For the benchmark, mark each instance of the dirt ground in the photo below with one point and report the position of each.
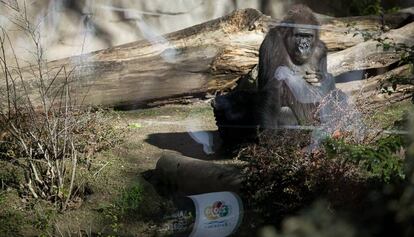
(120, 202)
(147, 133)
(117, 174)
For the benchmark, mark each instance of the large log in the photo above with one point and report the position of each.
(372, 85)
(371, 54)
(188, 176)
(345, 32)
(203, 58)
(377, 91)
(209, 56)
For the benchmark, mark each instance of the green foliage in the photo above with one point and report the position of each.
(370, 7)
(112, 216)
(43, 219)
(10, 175)
(128, 204)
(10, 223)
(391, 117)
(387, 208)
(2, 198)
(380, 159)
(131, 199)
(283, 176)
(366, 7)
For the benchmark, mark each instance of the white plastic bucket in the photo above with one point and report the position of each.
(217, 214)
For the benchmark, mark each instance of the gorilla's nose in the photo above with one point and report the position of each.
(304, 47)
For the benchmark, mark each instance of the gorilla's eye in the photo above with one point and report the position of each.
(303, 35)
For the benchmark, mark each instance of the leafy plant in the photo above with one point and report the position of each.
(131, 199)
(366, 7)
(112, 216)
(10, 223)
(382, 159)
(10, 175)
(2, 198)
(283, 176)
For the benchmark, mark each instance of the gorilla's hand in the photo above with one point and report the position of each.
(313, 77)
(283, 73)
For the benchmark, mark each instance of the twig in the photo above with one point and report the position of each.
(97, 172)
(72, 180)
(29, 185)
(35, 173)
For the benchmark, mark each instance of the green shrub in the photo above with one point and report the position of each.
(131, 199)
(10, 175)
(283, 176)
(366, 7)
(10, 223)
(384, 158)
(388, 208)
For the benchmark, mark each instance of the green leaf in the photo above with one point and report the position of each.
(135, 125)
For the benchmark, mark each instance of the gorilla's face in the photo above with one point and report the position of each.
(301, 44)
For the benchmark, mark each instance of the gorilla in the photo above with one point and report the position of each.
(292, 81)
(292, 77)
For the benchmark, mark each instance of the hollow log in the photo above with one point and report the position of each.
(205, 58)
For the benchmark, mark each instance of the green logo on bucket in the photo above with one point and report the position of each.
(218, 210)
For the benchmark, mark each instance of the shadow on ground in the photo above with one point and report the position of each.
(188, 144)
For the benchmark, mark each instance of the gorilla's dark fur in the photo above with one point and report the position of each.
(294, 44)
(277, 49)
(236, 116)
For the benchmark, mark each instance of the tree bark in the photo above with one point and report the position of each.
(378, 90)
(373, 53)
(345, 32)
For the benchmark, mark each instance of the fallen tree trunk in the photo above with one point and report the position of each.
(393, 86)
(345, 32)
(373, 53)
(373, 84)
(204, 58)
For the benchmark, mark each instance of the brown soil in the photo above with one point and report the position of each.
(148, 133)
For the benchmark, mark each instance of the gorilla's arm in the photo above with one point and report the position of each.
(270, 102)
(272, 54)
(327, 81)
